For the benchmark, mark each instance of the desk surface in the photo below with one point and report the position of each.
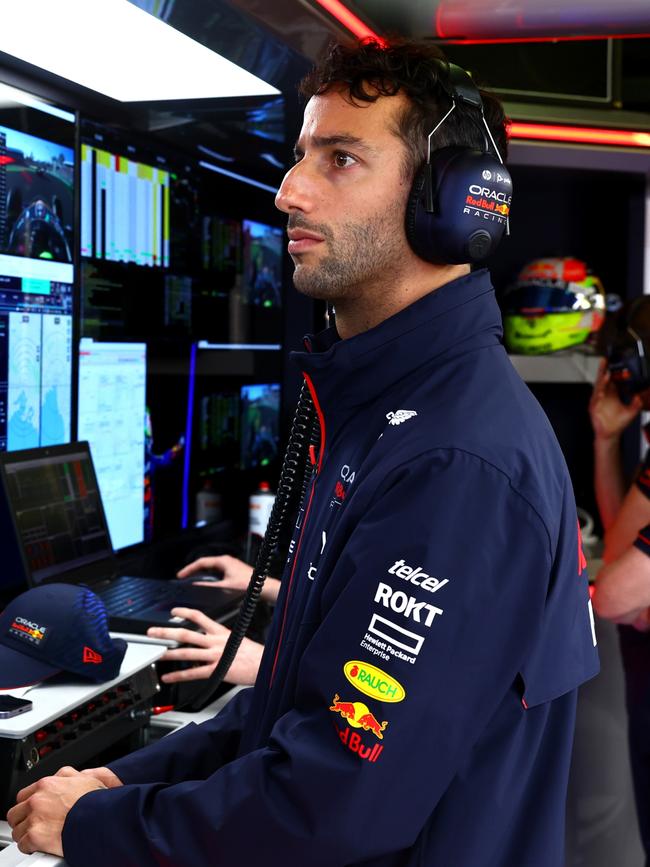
(51, 700)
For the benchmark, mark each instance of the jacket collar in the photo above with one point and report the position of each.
(456, 317)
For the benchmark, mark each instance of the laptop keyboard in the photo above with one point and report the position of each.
(131, 595)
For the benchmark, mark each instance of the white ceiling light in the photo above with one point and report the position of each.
(115, 48)
(10, 95)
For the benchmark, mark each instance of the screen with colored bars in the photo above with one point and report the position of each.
(124, 209)
(112, 417)
(58, 513)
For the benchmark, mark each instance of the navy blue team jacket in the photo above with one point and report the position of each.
(416, 700)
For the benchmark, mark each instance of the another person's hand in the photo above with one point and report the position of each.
(236, 575)
(41, 810)
(642, 623)
(208, 649)
(609, 415)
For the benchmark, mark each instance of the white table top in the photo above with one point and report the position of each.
(53, 700)
(12, 857)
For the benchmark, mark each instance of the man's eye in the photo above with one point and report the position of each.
(343, 161)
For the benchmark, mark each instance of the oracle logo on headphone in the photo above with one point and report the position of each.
(475, 190)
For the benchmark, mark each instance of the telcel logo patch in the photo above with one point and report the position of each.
(374, 682)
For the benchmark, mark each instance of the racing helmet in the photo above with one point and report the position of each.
(554, 303)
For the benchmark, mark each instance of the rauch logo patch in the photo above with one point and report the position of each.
(374, 682)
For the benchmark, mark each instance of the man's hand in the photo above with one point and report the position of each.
(41, 809)
(609, 415)
(236, 575)
(208, 649)
(103, 775)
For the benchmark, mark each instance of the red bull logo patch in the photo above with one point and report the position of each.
(352, 740)
(358, 715)
(374, 682)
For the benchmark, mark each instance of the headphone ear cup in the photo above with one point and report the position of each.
(471, 193)
(414, 217)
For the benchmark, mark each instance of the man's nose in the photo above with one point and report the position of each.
(294, 193)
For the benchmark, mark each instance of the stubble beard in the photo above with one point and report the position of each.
(359, 255)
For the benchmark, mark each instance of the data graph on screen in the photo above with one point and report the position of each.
(112, 407)
(124, 209)
(35, 365)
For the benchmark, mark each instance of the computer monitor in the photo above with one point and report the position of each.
(124, 208)
(260, 423)
(262, 246)
(237, 298)
(57, 509)
(233, 422)
(178, 304)
(221, 248)
(112, 418)
(36, 270)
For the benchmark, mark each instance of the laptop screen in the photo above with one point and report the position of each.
(55, 501)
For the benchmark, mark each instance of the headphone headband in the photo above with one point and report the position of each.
(459, 85)
(459, 203)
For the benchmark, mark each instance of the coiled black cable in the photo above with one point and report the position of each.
(296, 470)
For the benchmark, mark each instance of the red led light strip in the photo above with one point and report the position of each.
(458, 40)
(580, 134)
(348, 19)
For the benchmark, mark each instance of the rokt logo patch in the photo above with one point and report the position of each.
(374, 682)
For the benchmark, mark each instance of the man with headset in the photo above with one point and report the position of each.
(622, 593)
(416, 699)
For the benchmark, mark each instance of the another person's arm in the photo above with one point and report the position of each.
(623, 586)
(236, 575)
(609, 418)
(633, 514)
(207, 645)
(206, 648)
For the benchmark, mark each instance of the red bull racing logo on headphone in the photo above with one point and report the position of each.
(486, 202)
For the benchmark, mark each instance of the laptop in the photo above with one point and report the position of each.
(52, 498)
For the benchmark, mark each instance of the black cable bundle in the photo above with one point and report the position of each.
(296, 469)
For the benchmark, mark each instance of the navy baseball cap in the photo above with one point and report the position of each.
(55, 628)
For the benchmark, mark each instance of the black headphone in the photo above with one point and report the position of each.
(458, 207)
(627, 361)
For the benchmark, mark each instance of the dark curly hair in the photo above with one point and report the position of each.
(369, 70)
